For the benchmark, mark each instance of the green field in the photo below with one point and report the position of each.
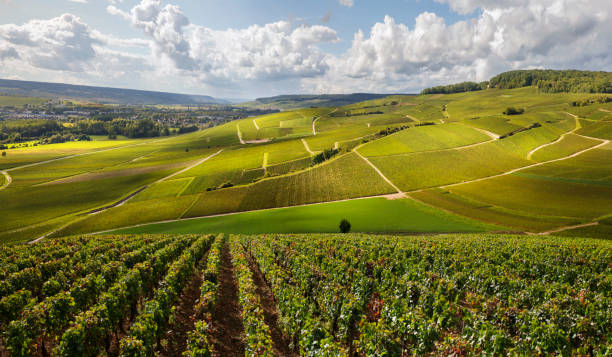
(367, 215)
(539, 171)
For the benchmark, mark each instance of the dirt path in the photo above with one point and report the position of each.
(255, 123)
(567, 228)
(83, 154)
(576, 127)
(604, 142)
(268, 302)
(197, 163)
(308, 147)
(492, 135)
(414, 119)
(379, 173)
(604, 110)
(8, 180)
(314, 121)
(227, 330)
(240, 135)
(184, 319)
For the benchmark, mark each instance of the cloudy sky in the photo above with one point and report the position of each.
(254, 48)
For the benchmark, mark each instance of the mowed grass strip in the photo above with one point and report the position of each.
(365, 215)
(424, 138)
(568, 145)
(486, 212)
(541, 197)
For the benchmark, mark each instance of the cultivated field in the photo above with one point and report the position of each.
(290, 295)
(547, 170)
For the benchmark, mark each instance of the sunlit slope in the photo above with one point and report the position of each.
(544, 170)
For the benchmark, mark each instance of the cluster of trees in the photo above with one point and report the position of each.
(144, 128)
(51, 131)
(348, 113)
(548, 81)
(456, 88)
(513, 111)
(552, 81)
(325, 155)
(589, 101)
(389, 131)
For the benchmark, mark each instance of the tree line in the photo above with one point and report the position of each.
(51, 131)
(547, 81)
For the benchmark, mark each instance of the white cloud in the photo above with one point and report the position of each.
(508, 34)
(348, 3)
(79, 1)
(269, 52)
(175, 54)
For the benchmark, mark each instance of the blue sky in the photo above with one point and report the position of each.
(252, 48)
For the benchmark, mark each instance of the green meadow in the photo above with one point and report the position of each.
(464, 165)
(367, 215)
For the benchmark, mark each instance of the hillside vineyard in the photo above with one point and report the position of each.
(288, 295)
(519, 160)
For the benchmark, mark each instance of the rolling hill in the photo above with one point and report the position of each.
(290, 102)
(101, 94)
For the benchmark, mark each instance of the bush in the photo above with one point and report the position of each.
(4, 153)
(345, 226)
(513, 111)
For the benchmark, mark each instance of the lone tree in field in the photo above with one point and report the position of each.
(345, 226)
(4, 153)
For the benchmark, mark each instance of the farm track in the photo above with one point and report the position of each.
(197, 163)
(604, 142)
(379, 173)
(604, 110)
(492, 135)
(123, 200)
(307, 147)
(388, 196)
(578, 126)
(255, 123)
(227, 329)
(240, 135)
(567, 228)
(85, 153)
(270, 309)
(314, 121)
(8, 180)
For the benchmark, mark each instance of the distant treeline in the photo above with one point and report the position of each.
(15, 131)
(456, 88)
(547, 81)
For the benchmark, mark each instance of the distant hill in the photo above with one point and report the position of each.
(288, 102)
(101, 94)
(546, 80)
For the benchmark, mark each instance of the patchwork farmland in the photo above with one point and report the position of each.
(451, 155)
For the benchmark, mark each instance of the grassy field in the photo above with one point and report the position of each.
(210, 172)
(367, 215)
(424, 138)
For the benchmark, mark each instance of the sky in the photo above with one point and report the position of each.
(257, 48)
